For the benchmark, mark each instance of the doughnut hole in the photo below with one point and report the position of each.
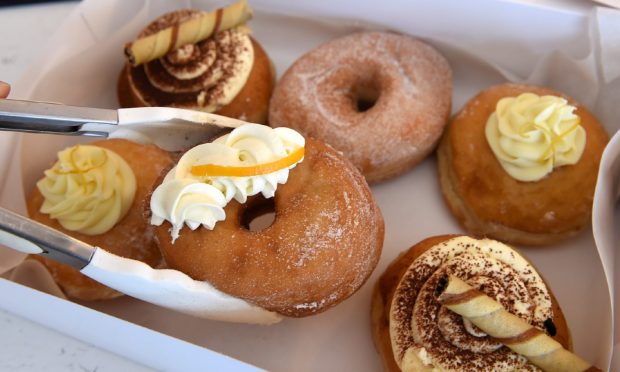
(365, 94)
(259, 214)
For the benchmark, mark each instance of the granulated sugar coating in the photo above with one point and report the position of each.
(382, 99)
(323, 244)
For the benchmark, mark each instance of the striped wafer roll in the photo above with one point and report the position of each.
(512, 331)
(188, 32)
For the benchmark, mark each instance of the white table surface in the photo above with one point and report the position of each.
(24, 345)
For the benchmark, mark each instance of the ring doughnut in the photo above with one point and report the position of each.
(381, 98)
(323, 244)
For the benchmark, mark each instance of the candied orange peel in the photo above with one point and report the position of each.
(214, 170)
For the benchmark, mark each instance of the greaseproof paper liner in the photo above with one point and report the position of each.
(484, 43)
(605, 222)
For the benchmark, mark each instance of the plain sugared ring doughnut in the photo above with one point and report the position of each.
(383, 99)
(323, 244)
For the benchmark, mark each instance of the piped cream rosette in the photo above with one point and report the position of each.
(425, 335)
(196, 190)
(88, 190)
(531, 135)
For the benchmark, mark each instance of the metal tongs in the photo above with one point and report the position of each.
(170, 128)
(165, 287)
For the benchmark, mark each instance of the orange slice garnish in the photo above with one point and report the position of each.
(214, 170)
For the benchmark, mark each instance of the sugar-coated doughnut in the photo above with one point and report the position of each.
(323, 244)
(383, 99)
(488, 201)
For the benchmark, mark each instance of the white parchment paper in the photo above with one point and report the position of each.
(486, 42)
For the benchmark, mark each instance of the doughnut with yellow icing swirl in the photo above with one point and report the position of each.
(412, 331)
(228, 74)
(488, 201)
(131, 236)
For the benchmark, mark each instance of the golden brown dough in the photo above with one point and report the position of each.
(132, 237)
(487, 201)
(384, 293)
(322, 246)
(251, 104)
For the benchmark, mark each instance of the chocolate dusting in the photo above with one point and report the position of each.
(429, 271)
(184, 93)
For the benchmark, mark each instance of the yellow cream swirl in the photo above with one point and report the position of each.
(88, 190)
(531, 135)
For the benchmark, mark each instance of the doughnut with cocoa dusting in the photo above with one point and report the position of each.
(381, 98)
(227, 74)
(413, 331)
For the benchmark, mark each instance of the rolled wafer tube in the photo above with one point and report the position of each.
(521, 337)
(191, 31)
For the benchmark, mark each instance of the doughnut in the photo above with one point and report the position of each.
(228, 74)
(131, 237)
(488, 201)
(325, 239)
(404, 295)
(381, 98)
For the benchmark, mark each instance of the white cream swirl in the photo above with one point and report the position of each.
(184, 198)
(88, 190)
(531, 135)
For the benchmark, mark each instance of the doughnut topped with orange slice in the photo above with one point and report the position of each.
(324, 241)
(251, 159)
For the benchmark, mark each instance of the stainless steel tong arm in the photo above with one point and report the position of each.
(42, 117)
(29, 236)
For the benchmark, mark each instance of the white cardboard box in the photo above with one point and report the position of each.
(485, 41)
